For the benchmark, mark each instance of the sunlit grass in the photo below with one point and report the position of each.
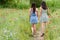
(52, 30)
(14, 25)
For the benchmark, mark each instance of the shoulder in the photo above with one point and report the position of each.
(40, 8)
(36, 9)
(30, 9)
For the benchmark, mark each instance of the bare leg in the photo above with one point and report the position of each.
(43, 25)
(33, 29)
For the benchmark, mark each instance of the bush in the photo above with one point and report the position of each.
(2, 2)
(22, 6)
(53, 4)
(38, 2)
(14, 4)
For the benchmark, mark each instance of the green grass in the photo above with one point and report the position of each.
(53, 3)
(14, 25)
(18, 4)
(14, 21)
(53, 29)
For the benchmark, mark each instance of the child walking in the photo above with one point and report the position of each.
(33, 17)
(43, 17)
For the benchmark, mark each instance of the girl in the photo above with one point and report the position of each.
(33, 17)
(43, 17)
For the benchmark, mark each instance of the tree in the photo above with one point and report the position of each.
(38, 2)
(2, 2)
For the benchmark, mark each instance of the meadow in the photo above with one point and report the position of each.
(14, 23)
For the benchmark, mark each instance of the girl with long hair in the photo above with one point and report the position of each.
(33, 17)
(44, 11)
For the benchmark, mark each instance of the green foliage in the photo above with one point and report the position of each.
(2, 1)
(14, 4)
(38, 2)
(13, 25)
(53, 3)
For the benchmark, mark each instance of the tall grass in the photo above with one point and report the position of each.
(53, 4)
(13, 25)
(52, 30)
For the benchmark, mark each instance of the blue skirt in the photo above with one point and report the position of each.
(33, 19)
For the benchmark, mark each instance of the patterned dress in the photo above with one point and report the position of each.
(44, 16)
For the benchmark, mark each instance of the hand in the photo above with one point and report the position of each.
(49, 16)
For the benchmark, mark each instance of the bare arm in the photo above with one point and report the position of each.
(48, 12)
(40, 11)
(37, 11)
(49, 15)
(29, 12)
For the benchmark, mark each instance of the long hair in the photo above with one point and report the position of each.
(33, 6)
(43, 4)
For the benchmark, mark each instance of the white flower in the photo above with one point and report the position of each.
(11, 34)
(5, 30)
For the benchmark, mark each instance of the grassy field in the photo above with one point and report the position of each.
(14, 25)
(53, 29)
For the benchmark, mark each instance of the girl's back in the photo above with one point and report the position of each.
(44, 11)
(44, 16)
(33, 13)
(33, 17)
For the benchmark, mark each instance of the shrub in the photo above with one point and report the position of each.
(14, 4)
(38, 2)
